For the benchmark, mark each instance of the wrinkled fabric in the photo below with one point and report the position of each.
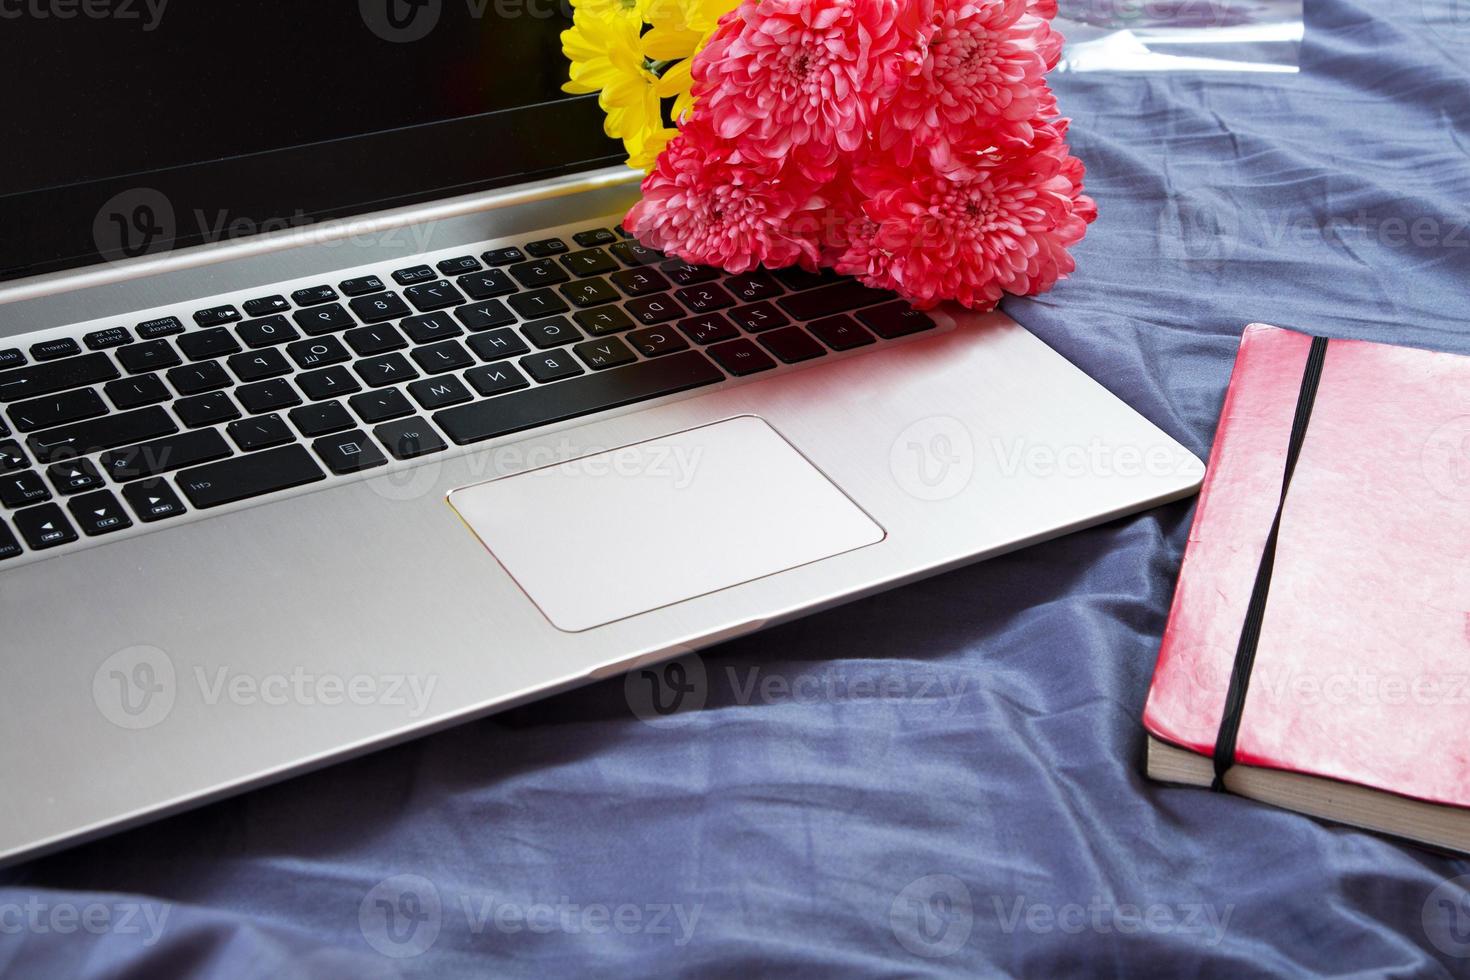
(987, 814)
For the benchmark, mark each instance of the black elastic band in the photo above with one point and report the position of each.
(1255, 610)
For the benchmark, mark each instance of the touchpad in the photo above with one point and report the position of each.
(617, 533)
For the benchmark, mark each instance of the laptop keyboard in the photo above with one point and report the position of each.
(128, 426)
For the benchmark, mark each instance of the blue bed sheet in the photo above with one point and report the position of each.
(942, 780)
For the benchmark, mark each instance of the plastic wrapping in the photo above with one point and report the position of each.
(1181, 35)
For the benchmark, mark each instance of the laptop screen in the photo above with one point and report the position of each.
(139, 126)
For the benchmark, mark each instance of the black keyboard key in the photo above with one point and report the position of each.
(792, 344)
(541, 302)
(409, 438)
(551, 365)
(74, 476)
(380, 406)
(258, 365)
(361, 286)
(332, 382)
(11, 357)
(594, 236)
(795, 277)
(268, 396)
(387, 369)
(419, 273)
(590, 262)
(108, 432)
(836, 298)
(242, 477)
(324, 319)
(59, 409)
(99, 513)
(321, 418)
(545, 247)
(12, 458)
(503, 256)
(217, 316)
(741, 357)
(162, 455)
(148, 356)
(496, 379)
(349, 452)
(657, 341)
(435, 393)
(589, 292)
(210, 409)
(687, 274)
(104, 339)
(580, 396)
(379, 339)
(203, 345)
(485, 316)
(192, 379)
(153, 500)
(636, 253)
(896, 320)
(458, 265)
(44, 527)
(314, 296)
(163, 326)
(447, 355)
(496, 344)
(4, 429)
(652, 310)
(759, 316)
(431, 327)
(542, 272)
(708, 329)
(486, 285)
(704, 299)
(43, 379)
(267, 332)
(750, 287)
(437, 295)
(319, 352)
(261, 432)
(603, 320)
(22, 489)
(551, 333)
(265, 305)
(840, 332)
(9, 546)
(50, 350)
(379, 307)
(639, 282)
(609, 352)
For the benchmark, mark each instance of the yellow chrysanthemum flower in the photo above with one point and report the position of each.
(634, 72)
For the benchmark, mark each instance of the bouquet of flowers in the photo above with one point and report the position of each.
(913, 144)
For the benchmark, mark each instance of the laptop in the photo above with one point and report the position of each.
(336, 407)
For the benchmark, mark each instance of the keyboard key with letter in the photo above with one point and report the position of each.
(227, 481)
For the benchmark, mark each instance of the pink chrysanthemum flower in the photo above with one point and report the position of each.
(798, 75)
(974, 71)
(1001, 223)
(708, 204)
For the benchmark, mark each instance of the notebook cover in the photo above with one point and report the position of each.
(1362, 673)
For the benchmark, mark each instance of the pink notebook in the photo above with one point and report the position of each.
(1356, 703)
